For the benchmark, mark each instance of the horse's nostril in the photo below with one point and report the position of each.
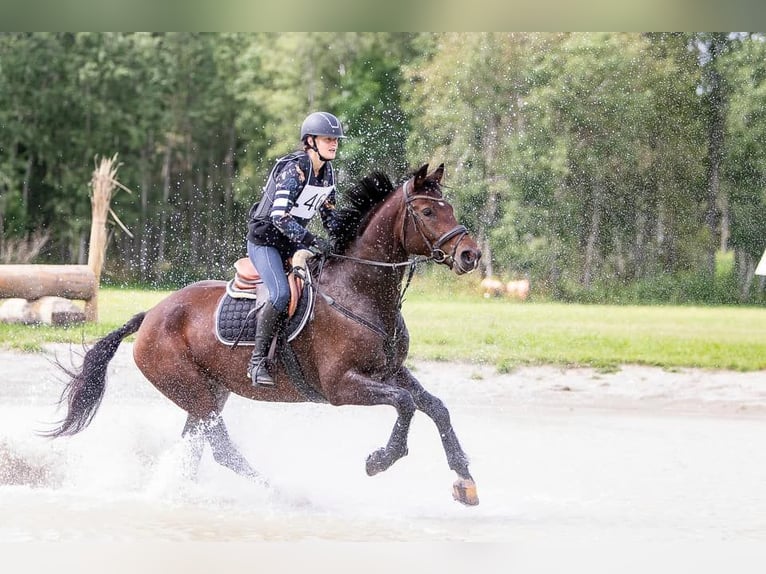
(469, 257)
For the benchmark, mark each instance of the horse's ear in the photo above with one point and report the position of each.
(438, 174)
(420, 175)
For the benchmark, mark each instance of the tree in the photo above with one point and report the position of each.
(585, 161)
(603, 111)
(715, 93)
(744, 164)
(464, 98)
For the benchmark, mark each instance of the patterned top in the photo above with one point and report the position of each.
(291, 197)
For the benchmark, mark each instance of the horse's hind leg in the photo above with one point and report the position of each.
(464, 489)
(205, 424)
(225, 452)
(213, 430)
(195, 437)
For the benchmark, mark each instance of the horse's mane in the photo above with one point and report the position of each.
(358, 203)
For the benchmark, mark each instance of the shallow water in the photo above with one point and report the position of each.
(549, 467)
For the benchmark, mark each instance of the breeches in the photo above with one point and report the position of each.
(269, 264)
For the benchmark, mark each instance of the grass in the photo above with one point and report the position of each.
(450, 321)
(115, 307)
(509, 334)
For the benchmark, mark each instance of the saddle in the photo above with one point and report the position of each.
(235, 313)
(247, 280)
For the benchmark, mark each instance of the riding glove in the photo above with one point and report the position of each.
(321, 246)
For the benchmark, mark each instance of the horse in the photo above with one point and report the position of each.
(351, 352)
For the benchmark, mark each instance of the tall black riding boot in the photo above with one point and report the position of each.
(268, 320)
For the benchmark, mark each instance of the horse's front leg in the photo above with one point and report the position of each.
(464, 489)
(396, 447)
(361, 390)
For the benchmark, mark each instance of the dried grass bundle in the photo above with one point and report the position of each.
(103, 184)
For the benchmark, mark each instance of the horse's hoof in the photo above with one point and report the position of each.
(382, 459)
(464, 491)
(376, 462)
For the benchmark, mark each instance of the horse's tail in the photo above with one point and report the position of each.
(85, 389)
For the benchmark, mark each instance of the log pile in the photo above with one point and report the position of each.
(42, 293)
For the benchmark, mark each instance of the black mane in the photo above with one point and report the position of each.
(358, 202)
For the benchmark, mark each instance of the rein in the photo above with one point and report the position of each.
(414, 261)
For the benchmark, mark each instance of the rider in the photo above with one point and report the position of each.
(300, 185)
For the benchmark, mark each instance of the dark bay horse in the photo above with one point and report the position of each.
(352, 352)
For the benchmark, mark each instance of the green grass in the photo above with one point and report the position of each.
(450, 321)
(508, 334)
(115, 307)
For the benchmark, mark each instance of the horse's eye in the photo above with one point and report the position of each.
(428, 211)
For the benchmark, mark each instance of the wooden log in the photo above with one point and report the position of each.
(56, 311)
(34, 281)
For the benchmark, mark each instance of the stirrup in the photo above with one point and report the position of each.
(259, 374)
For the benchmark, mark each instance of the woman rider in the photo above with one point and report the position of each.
(300, 185)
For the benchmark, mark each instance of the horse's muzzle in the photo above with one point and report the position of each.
(466, 260)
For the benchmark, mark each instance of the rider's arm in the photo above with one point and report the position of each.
(289, 184)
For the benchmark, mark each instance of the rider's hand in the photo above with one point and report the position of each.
(321, 246)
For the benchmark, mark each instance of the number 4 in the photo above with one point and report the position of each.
(311, 201)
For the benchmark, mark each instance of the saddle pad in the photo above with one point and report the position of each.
(235, 318)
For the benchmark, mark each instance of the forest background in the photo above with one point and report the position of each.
(609, 167)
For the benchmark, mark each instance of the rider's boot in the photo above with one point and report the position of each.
(268, 320)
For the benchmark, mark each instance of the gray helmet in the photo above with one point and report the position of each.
(321, 124)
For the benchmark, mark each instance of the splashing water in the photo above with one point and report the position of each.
(546, 463)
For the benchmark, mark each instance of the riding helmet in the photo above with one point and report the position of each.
(321, 124)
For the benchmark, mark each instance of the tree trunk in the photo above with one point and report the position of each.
(591, 243)
(716, 125)
(212, 216)
(34, 281)
(228, 179)
(159, 265)
(746, 274)
(143, 228)
(486, 256)
(25, 187)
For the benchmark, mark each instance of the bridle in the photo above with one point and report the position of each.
(438, 255)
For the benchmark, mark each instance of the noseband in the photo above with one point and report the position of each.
(437, 253)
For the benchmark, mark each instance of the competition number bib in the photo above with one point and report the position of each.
(310, 199)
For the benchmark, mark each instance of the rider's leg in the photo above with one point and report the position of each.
(270, 313)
